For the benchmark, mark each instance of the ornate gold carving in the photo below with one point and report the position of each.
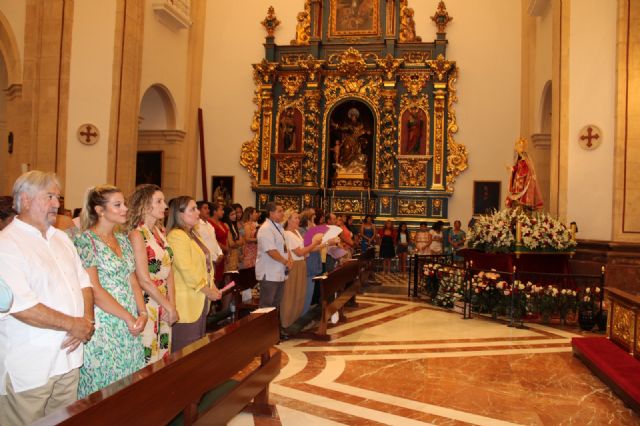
(413, 173)
(288, 202)
(293, 59)
(288, 172)
(391, 18)
(386, 148)
(457, 159)
(412, 207)
(249, 152)
(337, 87)
(270, 23)
(311, 136)
(389, 65)
(267, 117)
(407, 24)
(306, 199)
(350, 63)
(414, 82)
(438, 140)
(347, 205)
(440, 67)
(416, 58)
(385, 202)
(291, 83)
(312, 66)
(264, 71)
(441, 17)
(436, 207)
(263, 199)
(623, 324)
(303, 27)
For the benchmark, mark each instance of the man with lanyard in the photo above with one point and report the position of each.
(272, 261)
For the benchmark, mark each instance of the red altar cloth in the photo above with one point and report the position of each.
(524, 262)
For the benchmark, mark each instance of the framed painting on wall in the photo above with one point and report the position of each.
(222, 190)
(354, 18)
(486, 196)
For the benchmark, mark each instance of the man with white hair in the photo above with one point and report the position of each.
(52, 313)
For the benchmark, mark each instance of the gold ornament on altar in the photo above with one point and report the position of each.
(407, 24)
(622, 324)
(414, 82)
(291, 83)
(440, 67)
(270, 23)
(351, 63)
(288, 202)
(264, 71)
(347, 205)
(412, 208)
(457, 160)
(389, 64)
(441, 18)
(288, 172)
(413, 173)
(303, 27)
(312, 66)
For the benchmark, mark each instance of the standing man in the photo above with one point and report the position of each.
(52, 314)
(273, 260)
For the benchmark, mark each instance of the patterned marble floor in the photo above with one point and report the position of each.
(397, 362)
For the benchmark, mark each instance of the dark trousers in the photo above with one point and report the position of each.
(271, 293)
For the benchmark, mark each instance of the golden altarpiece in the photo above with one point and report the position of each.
(356, 115)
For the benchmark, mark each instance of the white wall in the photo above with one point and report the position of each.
(484, 39)
(164, 60)
(90, 88)
(592, 95)
(233, 41)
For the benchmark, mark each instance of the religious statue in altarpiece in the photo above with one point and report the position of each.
(523, 184)
(349, 150)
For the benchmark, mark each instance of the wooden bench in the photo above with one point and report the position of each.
(207, 382)
(336, 289)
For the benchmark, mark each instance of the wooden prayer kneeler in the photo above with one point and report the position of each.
(201, 384)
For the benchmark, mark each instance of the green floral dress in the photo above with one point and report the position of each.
(156, 337)
(112, 353)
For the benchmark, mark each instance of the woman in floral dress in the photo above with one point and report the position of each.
(250, 248)
(115, 350)
(154, 258)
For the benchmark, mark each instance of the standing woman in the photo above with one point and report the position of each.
(153, 268)
(193, 272)
(250, 248)
(116, 350)
(295, 286)
(234, 241)
(222, 235)
(387, 245)
(435, 238)
(402, 246)
(367, 233)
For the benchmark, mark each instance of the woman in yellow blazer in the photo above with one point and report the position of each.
(193, 272)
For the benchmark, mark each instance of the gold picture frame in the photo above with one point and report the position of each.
(354, 18)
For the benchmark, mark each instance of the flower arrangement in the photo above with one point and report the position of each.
(496, 233)
(589, 299)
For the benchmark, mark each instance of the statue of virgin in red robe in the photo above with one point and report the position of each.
(523, 185)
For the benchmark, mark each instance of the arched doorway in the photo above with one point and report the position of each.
(541, 142)
(158, 153)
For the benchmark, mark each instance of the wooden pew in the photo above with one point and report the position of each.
(165, 390)
(343, 281)
(244, 279)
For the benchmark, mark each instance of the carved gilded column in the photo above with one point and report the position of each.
(391, 18)
(267, 121)
(311, 137)
(438, 138)
(386, 154)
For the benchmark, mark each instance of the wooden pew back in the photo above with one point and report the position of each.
(159, 392)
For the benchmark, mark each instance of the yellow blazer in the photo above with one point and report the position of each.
(190, 275)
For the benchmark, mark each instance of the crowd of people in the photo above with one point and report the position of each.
(88, 300)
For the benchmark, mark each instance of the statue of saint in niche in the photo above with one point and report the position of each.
(414, 129)
(290, 130)
(349, 149)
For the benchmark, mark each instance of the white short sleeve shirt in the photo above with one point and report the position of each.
(38, 270)
(270, 237)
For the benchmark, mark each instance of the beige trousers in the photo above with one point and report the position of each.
(24, 408)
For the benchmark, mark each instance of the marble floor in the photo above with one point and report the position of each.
(400, 362)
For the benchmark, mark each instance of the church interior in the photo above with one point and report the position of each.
(406, 110)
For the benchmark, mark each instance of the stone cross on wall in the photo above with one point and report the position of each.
(590, 137)
(88, 134)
